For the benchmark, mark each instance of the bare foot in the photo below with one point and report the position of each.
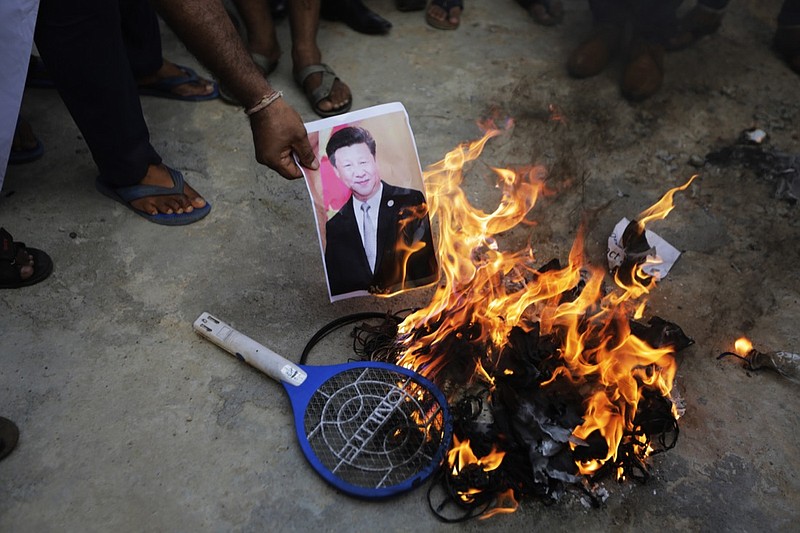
(170, 204)
(340, 95)
(447, 17)
(199, 87)
(547, 12)
(25, 262)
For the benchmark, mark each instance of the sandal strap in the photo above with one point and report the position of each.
(328, 78)
(189, 76)
(135, 192)
(8, 248)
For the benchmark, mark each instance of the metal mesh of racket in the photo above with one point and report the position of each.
(375, 428)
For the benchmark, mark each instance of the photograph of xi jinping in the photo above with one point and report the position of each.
(380, 240)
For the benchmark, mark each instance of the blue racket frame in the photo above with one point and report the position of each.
(302, 383)
(317, 377)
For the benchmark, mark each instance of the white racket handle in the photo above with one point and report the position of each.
(248, 350)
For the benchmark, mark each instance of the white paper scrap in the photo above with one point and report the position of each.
(657, 265)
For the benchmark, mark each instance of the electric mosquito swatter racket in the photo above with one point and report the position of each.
(370, 429)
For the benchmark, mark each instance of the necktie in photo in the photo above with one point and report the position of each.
(370, 237)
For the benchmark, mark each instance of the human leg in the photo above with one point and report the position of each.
(594, 53)
(326, 92)
(544, 12)
(156, 76)
(260, 32)
(787, 36)
(78, 39)
(703, 19)
(444, 14)
(655, 22)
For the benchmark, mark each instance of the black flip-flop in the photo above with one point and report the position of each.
(9, 269)
(9, 435)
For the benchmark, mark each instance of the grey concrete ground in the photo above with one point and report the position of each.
(130, 422)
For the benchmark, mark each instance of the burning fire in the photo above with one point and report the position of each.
(486, 293)
(743, 346)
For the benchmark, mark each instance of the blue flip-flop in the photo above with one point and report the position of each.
(27, 155)
(164, 87)
(125, 195)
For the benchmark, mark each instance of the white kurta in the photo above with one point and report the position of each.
(17, 21)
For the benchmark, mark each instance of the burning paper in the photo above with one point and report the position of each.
(632, 247)
(658, 255)
(553, 382)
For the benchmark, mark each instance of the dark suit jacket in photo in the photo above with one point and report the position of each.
(402, 221)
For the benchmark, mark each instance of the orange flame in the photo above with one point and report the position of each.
(505, 503)
(743, 346)
(662, 208)
(485, 292)
(461, 455)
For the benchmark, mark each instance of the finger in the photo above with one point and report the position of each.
(290, 170)
(306, 154)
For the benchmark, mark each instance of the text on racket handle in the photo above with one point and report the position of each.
(248, 350)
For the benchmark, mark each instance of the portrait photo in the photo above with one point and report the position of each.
(369, 204)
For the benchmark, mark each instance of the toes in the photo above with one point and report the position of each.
(25, 272)
(26, 266)
(169, 204)
(437, 12)
(193, 199)
(453, 16)
(195, 88)
(338, 98)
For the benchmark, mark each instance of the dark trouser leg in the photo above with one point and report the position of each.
(82, 45)
(609, 12)
(787, 37)
(142, 36)
(655, 21)
(716, 5)
(790, 13)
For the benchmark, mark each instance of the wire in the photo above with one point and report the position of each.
(333, 325)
